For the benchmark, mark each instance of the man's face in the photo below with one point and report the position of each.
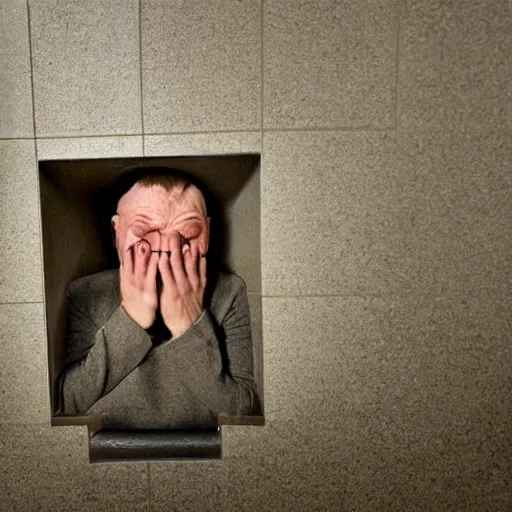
(156, 215)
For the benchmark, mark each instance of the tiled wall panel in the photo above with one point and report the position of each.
(16, 118)
(46, 468)
(20, 252)
(455, 65)
(201, 65)
(23, 372)
(86, 67)
(385, 213)
(329, 63)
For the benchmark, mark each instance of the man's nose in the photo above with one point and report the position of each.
(166, 241)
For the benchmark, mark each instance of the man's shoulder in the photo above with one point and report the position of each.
(97, 281)
(228, 283)
(101, 284)
(227, 287)
(96, 294)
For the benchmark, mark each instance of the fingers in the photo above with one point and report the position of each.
(165, 269)
(178, 271)
(202, 243)
(191, 266)
(152, 266)
(142, 252)
(127, 262)
(202, 271)
(194, 250)
(182, 270)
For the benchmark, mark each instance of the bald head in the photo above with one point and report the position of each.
(158, 212)
(156, 197)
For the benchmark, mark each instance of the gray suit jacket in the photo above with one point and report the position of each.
(132, 379)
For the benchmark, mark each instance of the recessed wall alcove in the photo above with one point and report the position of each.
(76, 202)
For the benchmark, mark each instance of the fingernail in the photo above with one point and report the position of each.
(185, 248)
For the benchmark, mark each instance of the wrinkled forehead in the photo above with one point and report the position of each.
(157, 199)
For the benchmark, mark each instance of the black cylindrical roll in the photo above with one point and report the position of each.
(109, 445)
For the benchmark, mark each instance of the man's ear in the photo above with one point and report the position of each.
(113, 228)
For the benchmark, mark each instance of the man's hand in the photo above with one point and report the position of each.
(183, 285)
(137, 274)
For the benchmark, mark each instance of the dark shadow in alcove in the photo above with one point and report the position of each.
(75, 216)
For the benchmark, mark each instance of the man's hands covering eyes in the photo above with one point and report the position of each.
(183, 275)
(137, 275)
(183, 285)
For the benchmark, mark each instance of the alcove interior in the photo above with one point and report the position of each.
(77, 239)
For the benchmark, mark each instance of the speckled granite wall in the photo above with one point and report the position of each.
(385, 128)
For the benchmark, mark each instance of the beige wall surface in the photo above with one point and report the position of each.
(386, 234)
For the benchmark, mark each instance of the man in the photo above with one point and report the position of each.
(145, 349)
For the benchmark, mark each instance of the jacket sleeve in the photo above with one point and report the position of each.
(98, 358)
(221, 383)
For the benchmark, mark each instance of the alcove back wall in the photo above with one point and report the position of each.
(384, 128)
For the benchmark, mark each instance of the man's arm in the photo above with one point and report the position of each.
(109, 353)
(106, 355)
(195, 358)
